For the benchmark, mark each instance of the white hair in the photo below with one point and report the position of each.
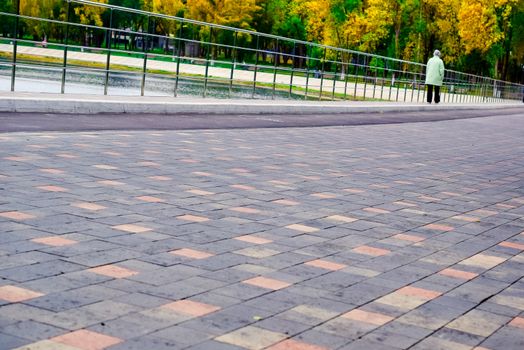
(436, 53)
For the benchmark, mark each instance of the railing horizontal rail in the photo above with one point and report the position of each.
(266, 62)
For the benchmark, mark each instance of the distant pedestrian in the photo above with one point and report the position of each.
(434, 76)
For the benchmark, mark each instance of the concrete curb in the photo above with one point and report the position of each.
(72, 104)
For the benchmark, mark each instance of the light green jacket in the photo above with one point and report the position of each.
(435, 71)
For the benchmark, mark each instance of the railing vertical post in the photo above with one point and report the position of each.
(145, 48)
(233, 63)
(400, 75)
(109, 35)
(292, 68)
(256, 67)
(418, 88)
(208, 55)
(356, 76)
(322, 74)
(398, 89)
(308, 48)
(276, 58)
(64, 64)
(375, 81)
(383, 79)
(15, 45)
(179, 49)
(478, 99)
(413, 86)
(365, 76)
(335, 77)
(346, 74)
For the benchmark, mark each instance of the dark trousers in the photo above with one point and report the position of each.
(430, 93)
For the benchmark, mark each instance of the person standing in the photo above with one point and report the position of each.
(434, 76)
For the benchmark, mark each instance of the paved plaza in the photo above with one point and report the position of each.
(357, 237)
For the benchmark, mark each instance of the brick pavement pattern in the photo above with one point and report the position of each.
(369, 237)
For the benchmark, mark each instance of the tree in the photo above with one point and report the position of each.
(40, 9)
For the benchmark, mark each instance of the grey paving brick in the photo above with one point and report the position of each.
(215, 345)
(39, 270)
(148, 342)
(74, 298)
(32, 330)
(182, 335)
(9, 341)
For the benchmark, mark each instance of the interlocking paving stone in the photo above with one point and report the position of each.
(368, 237)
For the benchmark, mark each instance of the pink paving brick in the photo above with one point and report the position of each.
(429, 199)
(89, 206)
(150, 199)
(302, 228)
(66, 155)
(200, 192)
(458, 274)
(113, 271)
(132, 228)
(324, 264)
(16, 215)
(512, 245)
(17, 159)
(110, 183)
(419, 292)
(324, 195)
(438, 227)
(291, 344)
(451, 194)
(517, 322)
(54, 241)
(191, 253)
(466, 218)
(405, 204)
(160, 178)
(105, 166)
(111, 153)
(149, 164)
(14, 294)
(245, 210)
(279, 182)
(87, 340)
(253, 239)
(483, 212)
(268, 283)
(353, 190)
(192, 218)
(51, 171)
(240, 170)
(286, 202)
(379, 186)
(243, 187)
(201, 173)
(51, 188)
(192, 308)
(367, 250)
(341, 218)
(376, 210)
(406, 237)
(374, 318)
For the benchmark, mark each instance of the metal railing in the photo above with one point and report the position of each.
(156, 53)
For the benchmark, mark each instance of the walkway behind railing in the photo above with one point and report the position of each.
(191, 57)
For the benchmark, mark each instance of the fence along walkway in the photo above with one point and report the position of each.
(323, 72)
